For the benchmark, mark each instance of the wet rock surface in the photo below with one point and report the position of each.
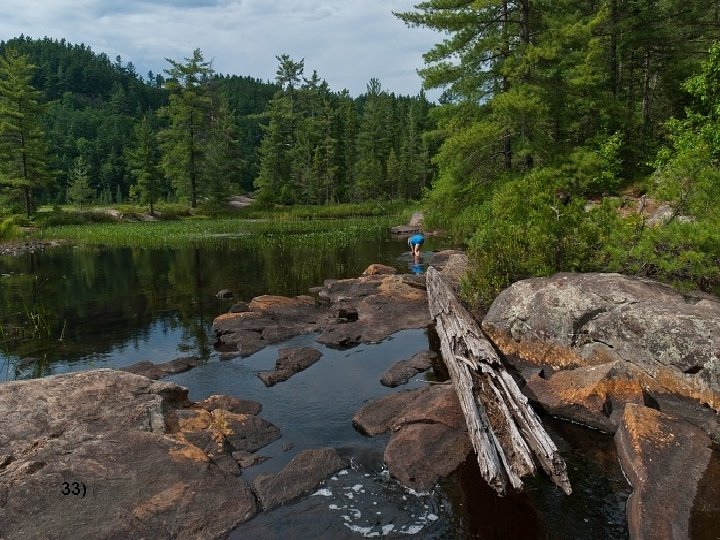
(289, 362)
(578, 320)
(345, 312)
(404, 370)
(158, 371)
(429, 436)
(113, 433)
(303, 474)
(665, 459)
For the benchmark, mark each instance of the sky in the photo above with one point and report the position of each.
(346, 41)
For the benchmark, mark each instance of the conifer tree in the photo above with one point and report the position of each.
(144, 162)
(79, 190)
(24, 157)
(188, 113)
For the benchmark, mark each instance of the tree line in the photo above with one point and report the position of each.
(76, 127)
(555, 113)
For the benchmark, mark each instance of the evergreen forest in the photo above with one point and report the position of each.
(559, 126)
(78, 128)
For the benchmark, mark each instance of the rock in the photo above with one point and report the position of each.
(158, 371)
(378, 416)
(247, 459)
(303, 474)
(664, 459)
(288, 363)
(405, 230)
(440, 259)
(239, 307)
(416, 220)
(106, 430)
(225, 294)
(401, 372)
(230, 404)
(594, 396)
(377, 269)
(429, 438)
(573, 320)
(348, 311)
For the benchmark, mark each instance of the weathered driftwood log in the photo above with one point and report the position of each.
(504, 430)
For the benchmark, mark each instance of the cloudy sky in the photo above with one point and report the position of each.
(346, 41)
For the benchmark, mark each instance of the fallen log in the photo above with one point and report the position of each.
(506, 433)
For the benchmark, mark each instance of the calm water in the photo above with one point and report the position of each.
(78, 308)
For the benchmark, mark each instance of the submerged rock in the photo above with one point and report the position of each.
(104, 434)
(290, 362)
(401, 372)
(664, 458)
(158, 371)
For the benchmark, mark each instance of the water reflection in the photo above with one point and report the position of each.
(76, 307)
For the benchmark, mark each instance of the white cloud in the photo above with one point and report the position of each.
(347, 41)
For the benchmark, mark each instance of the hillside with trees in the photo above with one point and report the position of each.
(97, 132)
(556, 115)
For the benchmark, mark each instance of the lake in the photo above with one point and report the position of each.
(89, 306)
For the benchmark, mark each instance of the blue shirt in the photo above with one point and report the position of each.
(417, 239)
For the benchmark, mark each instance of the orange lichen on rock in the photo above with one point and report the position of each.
(169, 498)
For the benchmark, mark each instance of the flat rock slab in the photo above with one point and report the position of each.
(158, 371)
(345, 312)
(289, 362)
(230, 404)
(429, 436)
(105, 432)
(664, 458)
(574, 320)
(404, 370)
(304, 473)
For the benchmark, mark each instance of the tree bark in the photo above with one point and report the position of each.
(506, 433)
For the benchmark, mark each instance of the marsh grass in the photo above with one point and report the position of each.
(185, 233)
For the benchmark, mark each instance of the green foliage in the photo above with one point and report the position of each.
(24, 155)
(8, 229)
(79, 190)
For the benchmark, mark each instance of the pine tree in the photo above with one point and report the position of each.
(188, 112)
(24, 155)
(144, 162)
(223, 165)
(79, 190)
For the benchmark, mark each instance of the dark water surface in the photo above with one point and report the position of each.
(80, 308)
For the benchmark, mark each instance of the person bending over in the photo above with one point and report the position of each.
(415, 242)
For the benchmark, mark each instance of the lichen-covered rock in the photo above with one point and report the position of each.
(573, 320)
(664, 458)
(108, 432)
(594, 396)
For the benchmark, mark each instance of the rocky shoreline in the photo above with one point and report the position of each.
(623, 355)
(16, 249)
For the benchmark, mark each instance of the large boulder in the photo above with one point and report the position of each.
(429, 436)
(574, 320)
(105, 435)
(664, 459)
